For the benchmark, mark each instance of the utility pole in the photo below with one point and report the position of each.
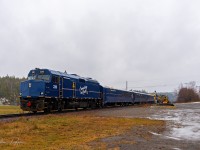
(126, 85)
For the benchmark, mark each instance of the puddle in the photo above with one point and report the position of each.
(164, 136)
(185, 121)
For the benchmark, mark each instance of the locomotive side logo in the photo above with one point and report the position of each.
(55, 86)
(83, 90)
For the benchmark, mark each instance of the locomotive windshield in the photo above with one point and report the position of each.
(39, 77)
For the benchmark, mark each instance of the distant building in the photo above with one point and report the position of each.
(4, 101)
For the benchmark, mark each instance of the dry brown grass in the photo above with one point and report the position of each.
(163, 107)
(64, 131)
(10, 110)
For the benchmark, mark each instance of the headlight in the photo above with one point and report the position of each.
(41, 93)
(29, 85)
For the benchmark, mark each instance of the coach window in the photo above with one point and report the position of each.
(55, 79)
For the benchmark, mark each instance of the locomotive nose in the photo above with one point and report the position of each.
(32, 88)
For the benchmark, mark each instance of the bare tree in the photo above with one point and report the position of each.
(188, 94)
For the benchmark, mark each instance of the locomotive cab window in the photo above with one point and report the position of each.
(55, 79)
(32, 77)
(43, 77)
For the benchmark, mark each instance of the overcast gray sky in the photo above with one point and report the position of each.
(153, 44)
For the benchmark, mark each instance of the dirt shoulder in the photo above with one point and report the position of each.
(144, 137)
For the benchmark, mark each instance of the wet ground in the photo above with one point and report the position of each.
(182, 130)
(183, 122)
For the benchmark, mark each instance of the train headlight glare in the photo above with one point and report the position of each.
(41, 93)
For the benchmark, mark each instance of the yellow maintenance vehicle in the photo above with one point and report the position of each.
(162, 100)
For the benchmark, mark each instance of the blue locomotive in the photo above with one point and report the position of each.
(47, 90)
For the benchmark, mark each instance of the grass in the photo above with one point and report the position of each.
(64, 131)
(10, 110)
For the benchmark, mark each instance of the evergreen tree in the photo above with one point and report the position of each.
(9, 88)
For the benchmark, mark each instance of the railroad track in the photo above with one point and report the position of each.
(9, 116)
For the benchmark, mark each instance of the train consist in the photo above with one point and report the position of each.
(47, 90)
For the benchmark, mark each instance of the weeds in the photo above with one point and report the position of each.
(67, 131)
(10, 110)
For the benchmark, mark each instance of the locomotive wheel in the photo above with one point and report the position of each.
(60, 107)
(45, 110)
(84, 108)
(50, 108)
(34, 112)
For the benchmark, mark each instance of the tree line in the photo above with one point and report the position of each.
(188, 93)
(9, 89)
